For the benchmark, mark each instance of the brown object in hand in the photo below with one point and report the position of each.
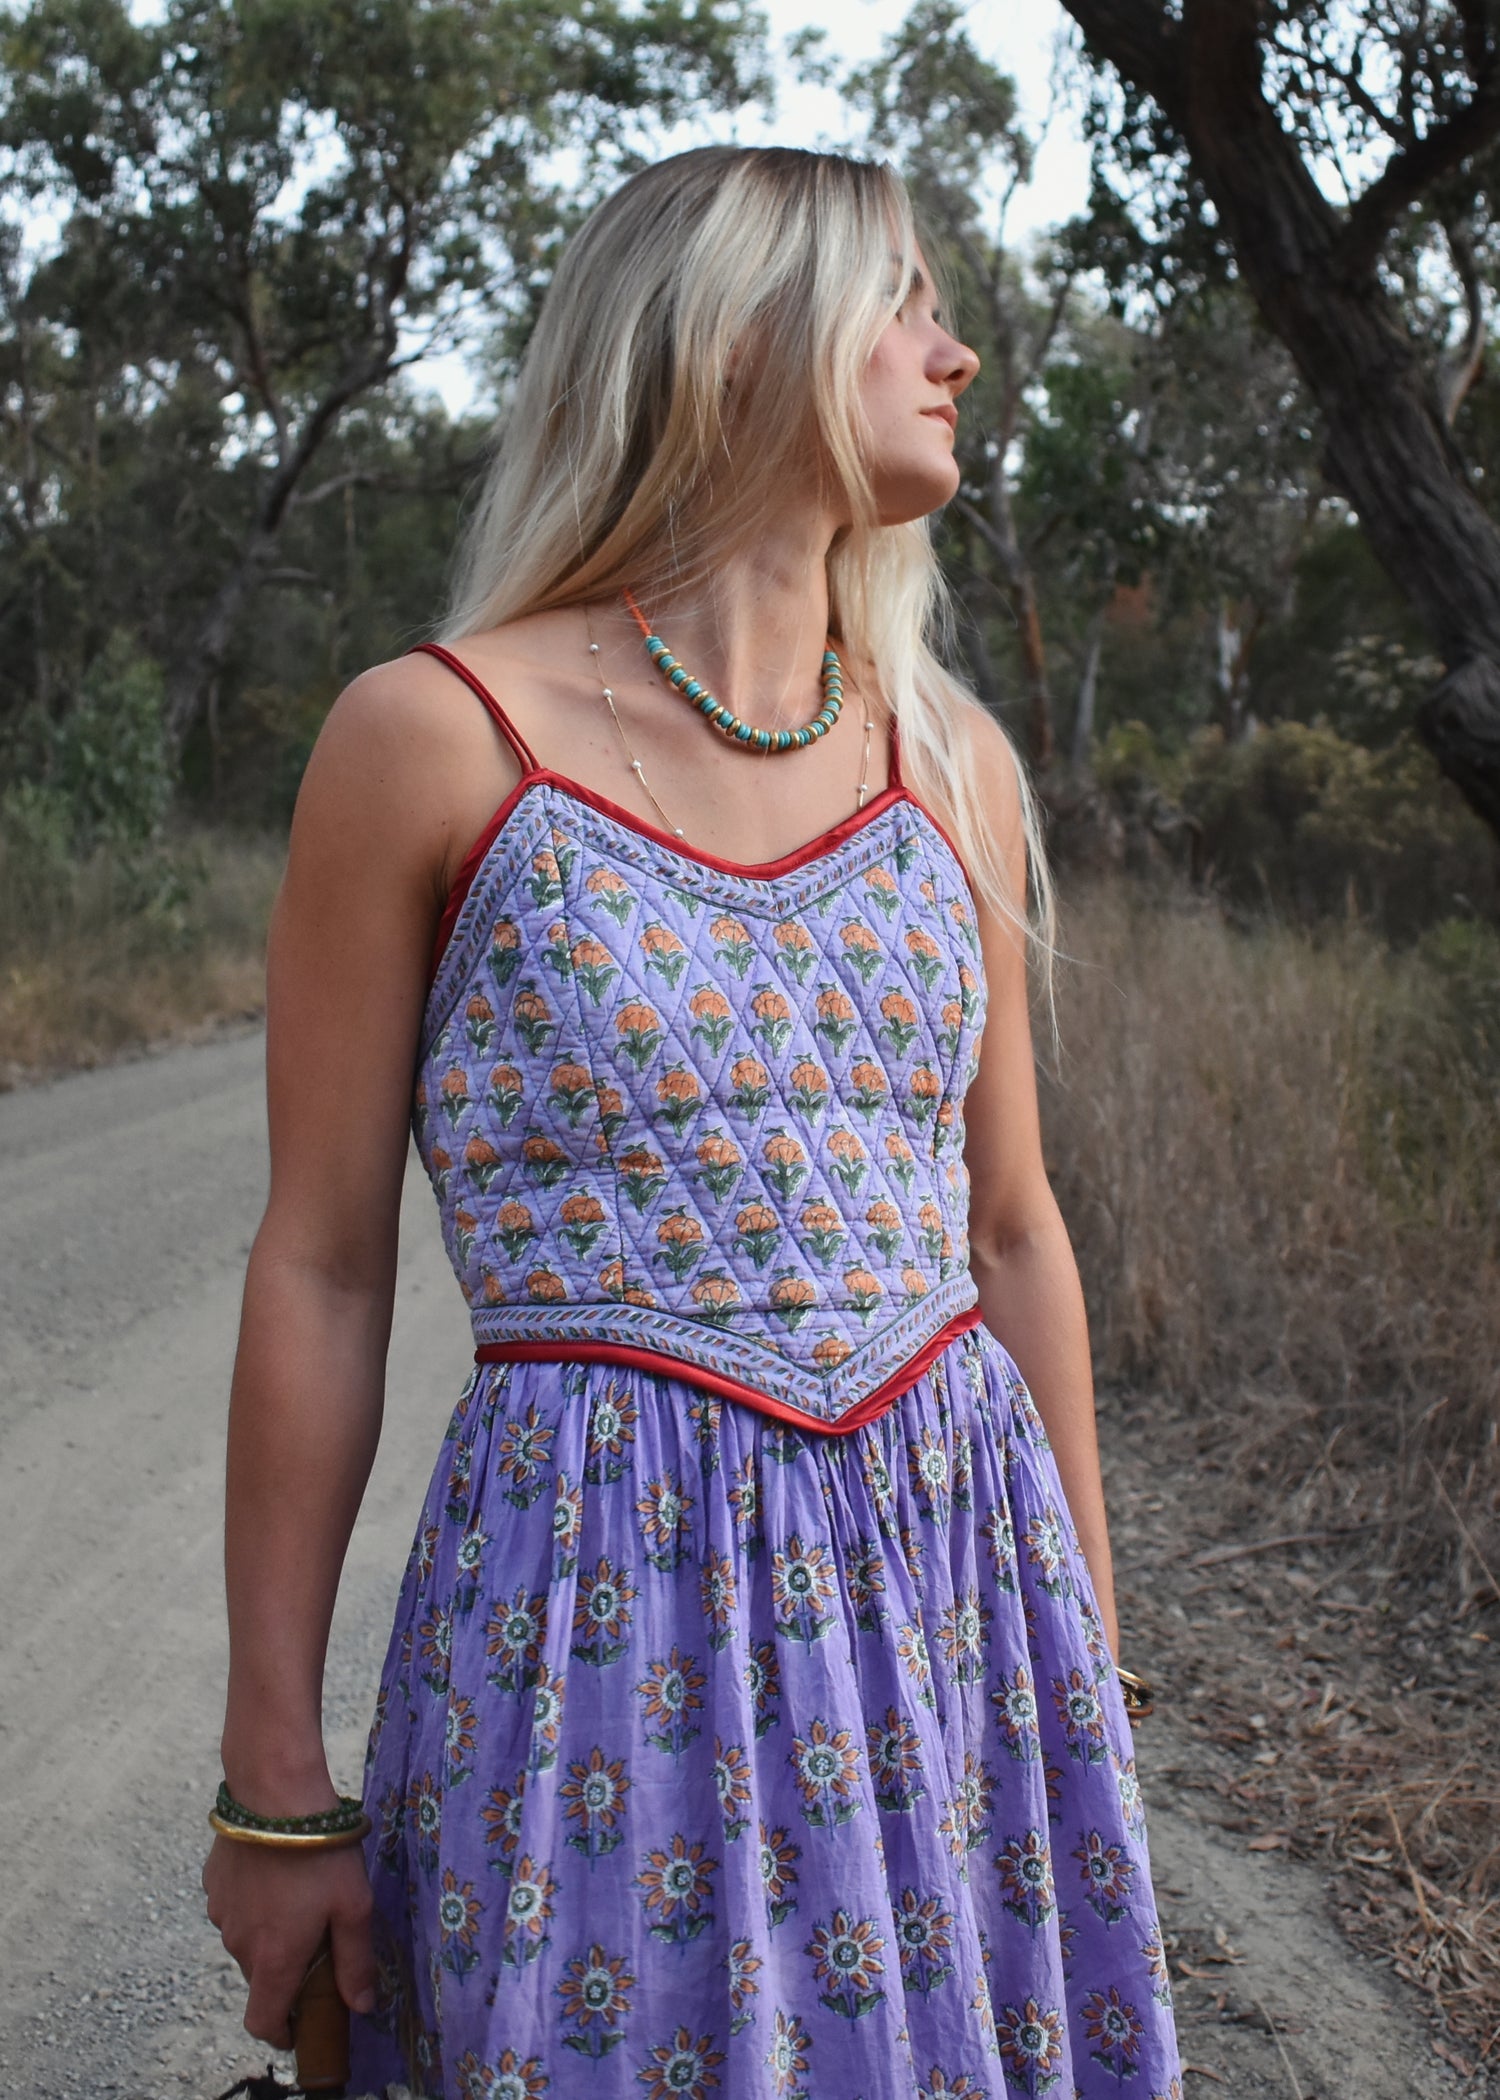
(320, 2029)
(1137, 1694)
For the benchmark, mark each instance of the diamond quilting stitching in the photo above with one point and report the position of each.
(586, 1211)
(752, 1111)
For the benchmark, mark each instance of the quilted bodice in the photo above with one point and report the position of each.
(669, 1104)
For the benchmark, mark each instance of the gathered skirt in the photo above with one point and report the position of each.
(716, 1759)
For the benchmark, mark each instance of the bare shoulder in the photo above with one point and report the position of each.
(409, 757)
(406, 723)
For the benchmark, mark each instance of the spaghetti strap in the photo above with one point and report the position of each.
(896, 780)
(503, 723)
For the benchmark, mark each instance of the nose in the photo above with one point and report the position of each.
(960, 364)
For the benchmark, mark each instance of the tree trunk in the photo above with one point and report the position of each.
(1313, 274)
(199, 672)
(1041, 742)
(1231, 663)
(1088, 693)
(1021, 584)
(31, 511)
(1388, 451)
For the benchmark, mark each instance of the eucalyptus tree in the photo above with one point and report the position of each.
(1341, 158)
(268, 209)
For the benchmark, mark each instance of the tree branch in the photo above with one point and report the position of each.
(356, 478)
(1458, 371)
(453, 472)
(243, 309)
(1476, 16)
(1050, 325)
(986, 531)
(1140, 42)
(1407, 176)
(1349, 80)
(294, 576)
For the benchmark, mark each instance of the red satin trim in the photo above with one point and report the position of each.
(663, 1365)
(816, 849)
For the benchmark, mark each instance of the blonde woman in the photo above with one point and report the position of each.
(751, 1723)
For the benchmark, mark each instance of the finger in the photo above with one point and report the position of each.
(268, 2008)
(354, 1959)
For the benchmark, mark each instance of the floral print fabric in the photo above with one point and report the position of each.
(716, 1759)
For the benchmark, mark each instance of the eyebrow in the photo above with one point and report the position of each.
(916, 283)
(919, 284)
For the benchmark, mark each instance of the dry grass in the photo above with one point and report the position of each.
(105, 958)
(1278, 1157)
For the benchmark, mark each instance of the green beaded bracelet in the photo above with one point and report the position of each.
(329, 1822)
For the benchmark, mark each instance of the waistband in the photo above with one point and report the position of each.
(860, 1412)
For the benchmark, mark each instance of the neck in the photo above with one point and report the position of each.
(754, 633)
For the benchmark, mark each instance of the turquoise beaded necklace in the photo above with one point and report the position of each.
(723, 718)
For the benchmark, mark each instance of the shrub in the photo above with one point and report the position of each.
(1305, 822)
(109, 757)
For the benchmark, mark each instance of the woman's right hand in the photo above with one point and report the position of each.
(273, 1910)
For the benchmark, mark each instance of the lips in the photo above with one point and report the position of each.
(947, 414)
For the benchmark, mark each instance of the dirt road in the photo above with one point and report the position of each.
(127, 1203)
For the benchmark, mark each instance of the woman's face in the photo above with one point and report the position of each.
(915, 375)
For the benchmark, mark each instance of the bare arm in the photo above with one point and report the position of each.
(345, 979)
(1022, 1259)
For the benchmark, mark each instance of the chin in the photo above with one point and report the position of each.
(904, 499)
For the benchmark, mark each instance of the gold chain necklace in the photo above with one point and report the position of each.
(639, 771)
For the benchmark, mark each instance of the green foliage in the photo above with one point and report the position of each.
(1464, 954)
(96, 805)
(268, 210)
(1130, 759)
(100, 775)
(36, 848)
(946, 112)
(1378, 682)
(1303, 822)
(1082, 473)
(110, 758)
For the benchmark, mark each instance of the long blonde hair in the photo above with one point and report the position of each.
(608, 469)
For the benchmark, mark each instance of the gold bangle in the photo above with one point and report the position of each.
(292, 1840)
(1137, 1694)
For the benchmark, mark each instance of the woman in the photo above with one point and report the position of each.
(750, 1723)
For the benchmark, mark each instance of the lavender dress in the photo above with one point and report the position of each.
(747, 1728)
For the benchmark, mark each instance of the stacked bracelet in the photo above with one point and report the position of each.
(1137, 1694)
(326, 1832)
